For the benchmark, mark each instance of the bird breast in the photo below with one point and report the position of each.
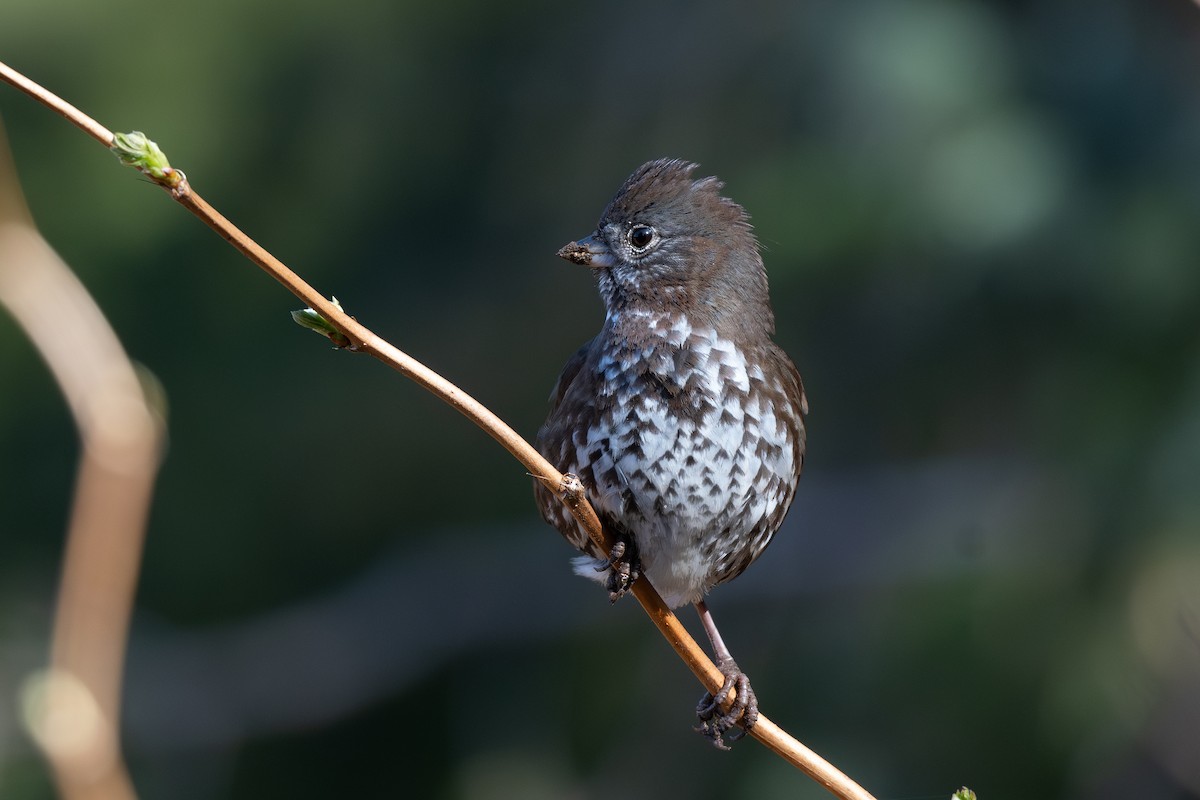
(687, 452)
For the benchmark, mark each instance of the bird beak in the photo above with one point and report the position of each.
(589, 252)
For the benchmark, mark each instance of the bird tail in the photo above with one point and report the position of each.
(594, 569)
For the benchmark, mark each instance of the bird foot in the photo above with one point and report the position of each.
(624, 567)
(742, 712)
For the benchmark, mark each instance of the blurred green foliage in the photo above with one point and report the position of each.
(980, 224)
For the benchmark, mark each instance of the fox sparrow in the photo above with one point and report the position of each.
(682, 419)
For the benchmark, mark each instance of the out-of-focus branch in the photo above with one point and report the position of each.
(73, 707)
(135, 150)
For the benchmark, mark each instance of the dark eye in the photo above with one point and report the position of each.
(640, 236)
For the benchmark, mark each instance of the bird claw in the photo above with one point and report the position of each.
(741, 715)
(623, 567)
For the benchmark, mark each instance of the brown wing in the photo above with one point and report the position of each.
(801, 407)
(567, 376)
(552, 442)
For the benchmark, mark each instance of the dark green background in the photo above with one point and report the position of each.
(981, 226)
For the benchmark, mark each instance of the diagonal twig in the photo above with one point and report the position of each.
(359, 338)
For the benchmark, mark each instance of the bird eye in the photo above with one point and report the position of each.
(640, 236)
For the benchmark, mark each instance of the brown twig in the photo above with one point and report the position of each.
(72, 708)
(362, 339)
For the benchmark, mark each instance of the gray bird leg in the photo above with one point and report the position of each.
(743, 710)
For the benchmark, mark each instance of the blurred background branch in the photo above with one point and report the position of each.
(73, 707)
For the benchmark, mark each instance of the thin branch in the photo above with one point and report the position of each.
(56, 104)
(362, 339)
(73, 707)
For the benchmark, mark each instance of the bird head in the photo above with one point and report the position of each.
(668, 242)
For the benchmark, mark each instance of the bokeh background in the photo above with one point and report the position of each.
(980, 221)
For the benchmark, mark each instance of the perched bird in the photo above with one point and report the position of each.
(682, 418)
